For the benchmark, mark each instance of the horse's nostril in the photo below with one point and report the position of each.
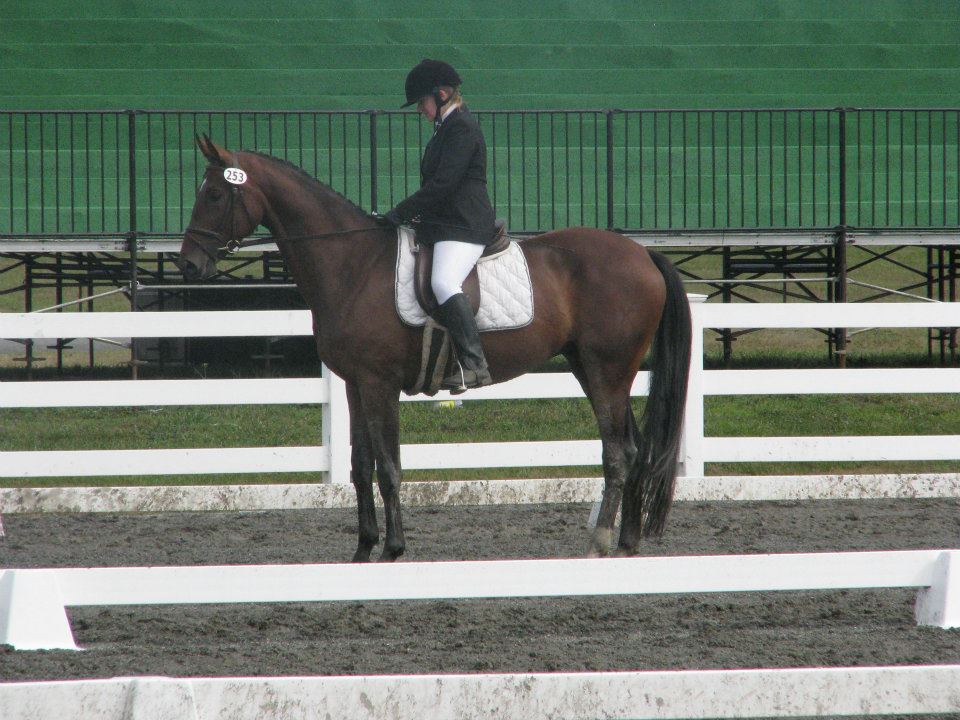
(189, 270)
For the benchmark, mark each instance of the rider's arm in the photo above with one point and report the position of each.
(459, 146)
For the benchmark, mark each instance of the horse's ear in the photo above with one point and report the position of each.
(214, 154)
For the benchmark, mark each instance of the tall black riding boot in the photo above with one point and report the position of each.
(457, 317)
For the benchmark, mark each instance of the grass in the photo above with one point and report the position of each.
(475, 421)
(843, 415)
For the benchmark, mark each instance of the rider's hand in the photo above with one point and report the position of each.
(390, 219)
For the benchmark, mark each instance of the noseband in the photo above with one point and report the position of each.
(225, 245)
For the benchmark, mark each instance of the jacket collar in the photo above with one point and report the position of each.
(446, 116)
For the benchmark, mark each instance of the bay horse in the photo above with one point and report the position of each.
(601, 300)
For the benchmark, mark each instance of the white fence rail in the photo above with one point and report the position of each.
(332, 457)
(33, 616)
(33, 602)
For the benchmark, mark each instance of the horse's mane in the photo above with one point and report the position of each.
(321, 190)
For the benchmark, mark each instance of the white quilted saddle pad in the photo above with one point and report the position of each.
(506, 292)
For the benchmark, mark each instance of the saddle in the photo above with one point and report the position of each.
(423, 269)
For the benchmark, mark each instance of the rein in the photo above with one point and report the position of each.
(233, 244)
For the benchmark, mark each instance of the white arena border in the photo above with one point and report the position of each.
(791, 692)
(33, 597)
(306, 496)
(33, 601)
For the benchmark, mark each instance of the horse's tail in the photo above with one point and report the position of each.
(649, 486)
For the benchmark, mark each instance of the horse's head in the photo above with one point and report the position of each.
(227, 209)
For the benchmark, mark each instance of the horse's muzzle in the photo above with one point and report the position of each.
(195, 261)
(191, 271)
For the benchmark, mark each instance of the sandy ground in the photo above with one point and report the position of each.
(594, 633)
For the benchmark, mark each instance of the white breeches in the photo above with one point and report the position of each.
(452, 262)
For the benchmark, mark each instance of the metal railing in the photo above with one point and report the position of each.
(77, 174)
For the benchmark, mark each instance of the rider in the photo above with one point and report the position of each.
(452, 209)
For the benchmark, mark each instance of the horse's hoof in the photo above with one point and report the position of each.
(597, 551)
(361, 556)
(600, 543)
(390, 554)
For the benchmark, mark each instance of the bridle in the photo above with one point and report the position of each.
(225, 245)
(234, 243)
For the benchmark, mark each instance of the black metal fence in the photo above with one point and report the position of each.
(135, 172)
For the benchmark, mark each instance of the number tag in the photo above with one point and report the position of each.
(235, 176)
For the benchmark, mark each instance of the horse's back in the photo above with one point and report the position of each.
(604, 259)
(604, 284)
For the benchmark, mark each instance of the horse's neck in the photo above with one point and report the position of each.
(299, 212)
(310, 232)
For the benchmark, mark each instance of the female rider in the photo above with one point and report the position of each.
(452, 209)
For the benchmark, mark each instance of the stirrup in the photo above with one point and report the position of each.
(461, 380)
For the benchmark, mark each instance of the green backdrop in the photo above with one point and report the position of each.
(69, 173)
(316, 54)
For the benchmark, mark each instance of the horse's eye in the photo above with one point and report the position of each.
(214, 194)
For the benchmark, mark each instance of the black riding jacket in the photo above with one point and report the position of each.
(452, 202)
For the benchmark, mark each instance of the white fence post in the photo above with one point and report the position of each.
(691, 454)
(32, 615)
(939, 604)
(336, 428)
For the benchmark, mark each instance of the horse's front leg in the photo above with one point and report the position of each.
(381, 407)
(361, 474)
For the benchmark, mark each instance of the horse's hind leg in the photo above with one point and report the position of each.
(610, 401)
(361, 474)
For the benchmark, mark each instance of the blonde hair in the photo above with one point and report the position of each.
(456, 97)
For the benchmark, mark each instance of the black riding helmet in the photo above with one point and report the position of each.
(427, 77)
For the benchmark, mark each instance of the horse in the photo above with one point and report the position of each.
(601, 301)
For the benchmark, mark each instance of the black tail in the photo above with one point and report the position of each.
(649, 487)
